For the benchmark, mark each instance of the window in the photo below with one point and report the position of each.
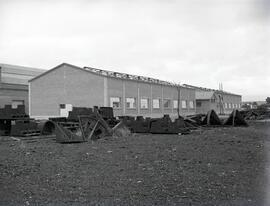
(184, 104)
(115, 102)
(225, 105)
(15, 103)
(65, 109)
(198, 104)
(213, 100)
(144, 103)
(191, 104)
(166, 103)
(156, 103)
(230, 105)
(131, 103)
(175, 104)
(239, 105)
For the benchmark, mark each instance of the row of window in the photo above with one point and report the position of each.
(231, 105)
(131, 103)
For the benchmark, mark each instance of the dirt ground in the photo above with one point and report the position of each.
(217, 166)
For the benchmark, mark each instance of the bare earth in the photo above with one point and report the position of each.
(218, 166)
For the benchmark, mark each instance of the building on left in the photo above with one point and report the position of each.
(14, 84)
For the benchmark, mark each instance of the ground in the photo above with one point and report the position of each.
(217, 166)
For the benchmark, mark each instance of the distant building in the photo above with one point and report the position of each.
(252, 104)
(220, 101)
(56, 91)
(14, 84)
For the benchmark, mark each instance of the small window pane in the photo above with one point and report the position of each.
(131, 103)
(184, 104)
(156, 103)
(191, 104)
(144, 103)
(15, 103)
(167, 103)
(175, 104)
(115, 102)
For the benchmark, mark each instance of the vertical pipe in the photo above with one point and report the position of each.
(138, 98)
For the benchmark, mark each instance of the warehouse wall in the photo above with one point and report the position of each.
(69, 85)
(11, 93)
(65, 85)
(231, 102)
(137, 90)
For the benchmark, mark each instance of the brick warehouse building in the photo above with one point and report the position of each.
(220, 101)
(56, 91)
(14, 84)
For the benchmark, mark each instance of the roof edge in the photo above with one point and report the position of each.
(54, 68)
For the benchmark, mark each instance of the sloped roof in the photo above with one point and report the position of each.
(13, 74)
(113, 74)
(202, 89)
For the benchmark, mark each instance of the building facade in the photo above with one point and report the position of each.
(14, 84)
(56, 91)
(220, 101)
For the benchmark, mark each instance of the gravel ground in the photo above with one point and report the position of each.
(217, 166)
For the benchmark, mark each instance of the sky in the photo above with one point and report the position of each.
(202, 43)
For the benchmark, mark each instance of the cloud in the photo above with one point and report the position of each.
(191, 42)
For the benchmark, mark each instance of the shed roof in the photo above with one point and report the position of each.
(113, 74)
(13, 74)
(202, 89)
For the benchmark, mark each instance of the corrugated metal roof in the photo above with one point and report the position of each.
(208, 90)
(117, 75)
(13, 74)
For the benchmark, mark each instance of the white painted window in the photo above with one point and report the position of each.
(230, 105)
(65, 109)
(156, 103)
(131, 103)
(175, 104)
(184, 104)
(167, 103)
(15, 103)
(225, 105)
(115, 102)
(144, 103)
(191, 104)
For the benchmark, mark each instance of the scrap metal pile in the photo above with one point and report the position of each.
(180, 125)
(84, 124)
(255, 114)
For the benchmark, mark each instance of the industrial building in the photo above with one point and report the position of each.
(56, 91)
(14, 84)
(220, 101)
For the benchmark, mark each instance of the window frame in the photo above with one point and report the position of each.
(120, 103)
(170, 103)
(182, 106)
(154, 104)
(192, 104)
(147, 101)
(174, 104)
(134, 104)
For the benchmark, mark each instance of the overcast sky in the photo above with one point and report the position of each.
(194, 42)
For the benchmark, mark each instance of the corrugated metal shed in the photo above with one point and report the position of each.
(12, 74)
